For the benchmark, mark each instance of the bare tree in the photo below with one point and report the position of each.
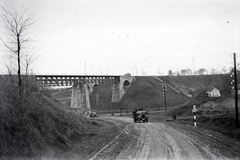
(184, 71)
(189, 71)
(224, 69)
(202, 71)
(230, 70)
(29, 58)
(170, 72)
(177, 73)
(213, 71)
(16, 25)
(196, 72)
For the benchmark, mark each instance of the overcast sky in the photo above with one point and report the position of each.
(115, 37)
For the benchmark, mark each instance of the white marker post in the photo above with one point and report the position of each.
(194, 115)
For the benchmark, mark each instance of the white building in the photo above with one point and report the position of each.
(213, 92)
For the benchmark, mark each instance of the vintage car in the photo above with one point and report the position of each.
(93, 114)
(140, 115)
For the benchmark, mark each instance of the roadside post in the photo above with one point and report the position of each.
(194, 115)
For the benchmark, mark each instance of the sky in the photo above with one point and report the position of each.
(115, 37)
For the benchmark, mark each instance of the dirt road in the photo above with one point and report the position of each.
(168, 140)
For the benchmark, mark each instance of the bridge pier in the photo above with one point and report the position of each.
(80, 97)
(116, 92)
(120, 87)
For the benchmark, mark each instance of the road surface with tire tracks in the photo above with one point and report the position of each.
(168, 140)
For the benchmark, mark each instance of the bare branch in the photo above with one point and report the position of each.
(4, 9)
(8, 68)
(30, 57)
(8, 47)
(16, 24)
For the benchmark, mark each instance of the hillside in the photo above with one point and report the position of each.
(37, 126)
(197, 86)
(104, 90)
(190, 84)
(63, 96)
(146, 92)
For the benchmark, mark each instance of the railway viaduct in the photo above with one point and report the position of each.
(82, 86)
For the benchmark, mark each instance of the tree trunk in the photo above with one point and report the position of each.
(19, 66)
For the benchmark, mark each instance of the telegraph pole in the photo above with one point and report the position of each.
(164, 86)
(236, 89)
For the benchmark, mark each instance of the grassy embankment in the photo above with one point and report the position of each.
(37, 126)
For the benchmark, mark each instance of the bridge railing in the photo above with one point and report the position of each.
(48, 81)
(63, 80)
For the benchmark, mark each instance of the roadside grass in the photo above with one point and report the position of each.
(91, 142)
(224, 124)
(120, 143)
(217, 115)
